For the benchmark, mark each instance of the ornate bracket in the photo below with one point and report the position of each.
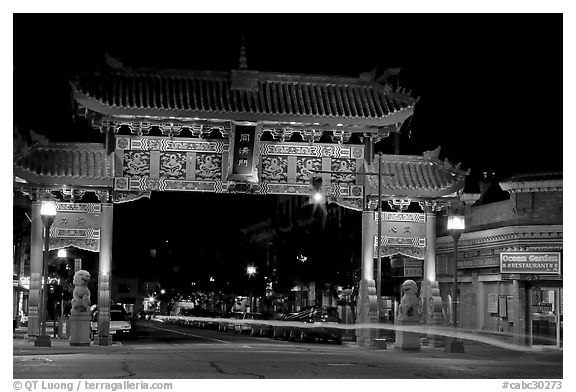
(311, 135)
(139, 128)
(196, 130)
(341, 136)
(375, 136)
(281, 134)
(399, 204)
(42, 194)
(104, 196)
(371, 203)
(72, 195)
(432, 205)
(206, 131)
(170, 129)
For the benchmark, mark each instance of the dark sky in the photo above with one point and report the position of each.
(490, 86)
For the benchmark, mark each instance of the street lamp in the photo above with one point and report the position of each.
(251, 271)
(456, 224)
(62, 254)
(47, 213)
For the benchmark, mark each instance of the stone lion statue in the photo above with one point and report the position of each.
(81, 294)
(409, 309)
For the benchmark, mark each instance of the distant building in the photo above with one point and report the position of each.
(510, 262)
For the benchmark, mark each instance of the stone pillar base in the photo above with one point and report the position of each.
(42, 341)
(103, 340)
(431, 302)
(367, 309)
(407, 341)
(79, 329)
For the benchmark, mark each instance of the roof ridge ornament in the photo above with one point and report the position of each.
(434, 154)
(390, 78)
(113, 62)
(243, 61)
(368, 76)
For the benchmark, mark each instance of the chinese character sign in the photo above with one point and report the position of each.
(76, 224)
(242, 153)
(402, 233)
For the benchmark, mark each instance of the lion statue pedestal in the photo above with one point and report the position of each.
(408, 315)
(80, 314)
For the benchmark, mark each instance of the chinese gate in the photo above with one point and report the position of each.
(241, 131)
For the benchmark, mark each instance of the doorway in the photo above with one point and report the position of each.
(546, 316)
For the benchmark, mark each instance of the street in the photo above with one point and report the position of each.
(162, 351)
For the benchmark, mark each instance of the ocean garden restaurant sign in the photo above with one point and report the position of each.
(530, 263)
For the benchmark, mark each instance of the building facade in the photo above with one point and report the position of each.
(510, 263)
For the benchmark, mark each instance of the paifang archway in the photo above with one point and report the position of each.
(188, 131)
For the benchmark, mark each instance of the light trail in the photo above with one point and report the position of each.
(424, 329)
(188, 334)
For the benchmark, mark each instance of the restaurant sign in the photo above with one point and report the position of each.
(530, 263)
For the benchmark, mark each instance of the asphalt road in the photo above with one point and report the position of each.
(163, 351)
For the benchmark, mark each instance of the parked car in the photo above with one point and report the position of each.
(313, 323)
(120, 325)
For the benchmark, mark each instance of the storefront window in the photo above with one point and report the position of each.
(546, 317)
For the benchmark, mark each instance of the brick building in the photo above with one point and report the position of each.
(509, 265)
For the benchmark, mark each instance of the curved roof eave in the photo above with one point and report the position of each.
(95, 105)
(60, 181)
(450, 191)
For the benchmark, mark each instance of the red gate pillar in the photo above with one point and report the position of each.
(36, 260)
(367, 306)
(104, 270)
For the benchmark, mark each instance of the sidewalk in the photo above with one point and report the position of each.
(24, 346)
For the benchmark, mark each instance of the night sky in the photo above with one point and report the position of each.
(490, 87)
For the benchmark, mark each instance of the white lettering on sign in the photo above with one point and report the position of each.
(534, 258)
(530, 262)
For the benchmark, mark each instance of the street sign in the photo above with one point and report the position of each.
(413, 268)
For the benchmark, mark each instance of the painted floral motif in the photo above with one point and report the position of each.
(345, 169)
(208, 167)
(136, 164)
(173, 165)
(274, 169)
(305, 167)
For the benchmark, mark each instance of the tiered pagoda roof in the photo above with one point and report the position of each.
(416, 176)
(69, 164)
(243, 95)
